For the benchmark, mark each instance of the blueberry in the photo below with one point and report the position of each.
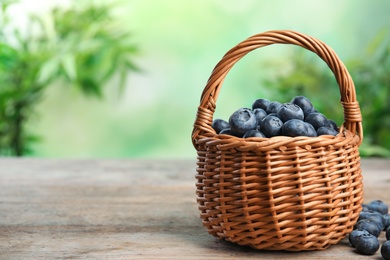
(355, 234)
(271, 126)
(241, 121)
(364, 207)
(388, 233)
(273, 107)
(373, 216)
(386, 221)
(226, 131)
(385, 250)
(260, 114)
(332, 124)
(378, 205)
(294, 127)
(260, 103)
(316, 120)
(219, 124)
(253, 133)
(304, 103)
(323, 130)
(371, 226)
(366, 244)
(289, 111)
(310, 130)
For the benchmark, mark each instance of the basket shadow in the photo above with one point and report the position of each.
(189, 231)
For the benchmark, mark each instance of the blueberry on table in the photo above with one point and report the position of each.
(254, 133)
(260, 114)
(366, 244)
(373, 216)
(364, 207)
(385, 250)
(323, 130)
(388, 233)
(219, 124)
(304, 103)
(241, 121)
(371, 226)
(289, 111)
(355, 234)
(378, 205)
(261, 103)
(386, 221)
(273, 107)
(294, 127)
(271, 126)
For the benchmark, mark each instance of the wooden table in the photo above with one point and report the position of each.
(126, 209)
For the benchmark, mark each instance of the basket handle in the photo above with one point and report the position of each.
(204, 116)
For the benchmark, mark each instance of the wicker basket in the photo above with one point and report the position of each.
(279, 193)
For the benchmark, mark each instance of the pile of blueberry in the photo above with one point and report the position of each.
(272, 118)
(373, 219)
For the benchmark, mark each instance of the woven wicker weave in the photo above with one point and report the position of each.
(279, 193)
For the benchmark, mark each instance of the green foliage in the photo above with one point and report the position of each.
(303, 75)
(372, 79)
(81, 46)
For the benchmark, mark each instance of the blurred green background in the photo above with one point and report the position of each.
(176, 46)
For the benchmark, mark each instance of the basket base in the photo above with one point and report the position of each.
(295, 199)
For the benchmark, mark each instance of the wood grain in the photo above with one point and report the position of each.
(126, 209)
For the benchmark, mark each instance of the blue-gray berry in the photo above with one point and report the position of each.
(355, 234)
(371, 226)
(367, 244)
(241, 121)
(253, 133)
(219, 124)
(273, 107)
(373, 216)
(288, 111)
(271, 126)
(385, 250)
(304, 103)
(378, 205)
(261, 103)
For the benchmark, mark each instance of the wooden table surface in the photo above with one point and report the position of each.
(127, 209)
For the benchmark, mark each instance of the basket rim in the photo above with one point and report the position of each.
(226, 142)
